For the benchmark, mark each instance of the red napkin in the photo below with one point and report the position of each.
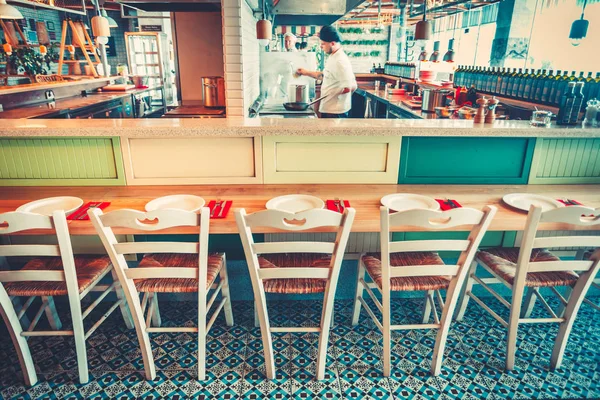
(330, 204)
(81, 213)
(567, 204)
(444, 206)
(225, 206)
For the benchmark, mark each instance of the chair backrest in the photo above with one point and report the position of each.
(13, 222)
(572, 215)
(294, 222)
(158, 220)
(479, 222)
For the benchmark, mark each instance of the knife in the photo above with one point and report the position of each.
(337, 204)
(222, 208)
(342, 206)
(450, 203)
(84, 214)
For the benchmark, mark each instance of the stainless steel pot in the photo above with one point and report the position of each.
(213, 91)
(297, 93)
(433, 98)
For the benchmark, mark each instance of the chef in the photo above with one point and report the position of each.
(338, 80)
(289, 40)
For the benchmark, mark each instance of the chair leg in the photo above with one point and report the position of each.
(427, 307)
(226, 293)
(326, 323)
(560, 311)
(16, 302)
(442, 334)
(513, 327)
(124, 308)
(78, 334)
(570, 313)
(464, 302)
(51, 313)
(156, 320)
(387, 332)
(202, 334)
(529, 303)
(260, 308)
(14, 329)
(256, 320)
(360, 290)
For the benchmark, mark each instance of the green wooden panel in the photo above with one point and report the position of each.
(490, 239)
(472, 160)
(61, 161)
(566, 161)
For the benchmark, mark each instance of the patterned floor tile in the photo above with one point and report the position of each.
(473, 366)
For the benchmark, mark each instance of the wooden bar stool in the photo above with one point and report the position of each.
(54, 272)
(415, 266)
(294, 268)
(171, 267)
(532, 266)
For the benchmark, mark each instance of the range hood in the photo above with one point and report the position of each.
(311, 12)
(174, 6)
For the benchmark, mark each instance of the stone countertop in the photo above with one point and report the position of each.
(63, 106)
(247, 127)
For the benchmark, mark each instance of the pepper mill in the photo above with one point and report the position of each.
(480, 116)
(491, 114)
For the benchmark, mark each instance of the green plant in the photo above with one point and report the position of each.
(29, 61)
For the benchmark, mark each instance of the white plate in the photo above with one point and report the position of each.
(49, 205)
(523, 201)
(294, 203)
(187, 202)
(409, 201)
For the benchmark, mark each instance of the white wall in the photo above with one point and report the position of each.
(241, 57)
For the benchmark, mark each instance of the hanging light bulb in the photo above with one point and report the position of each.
(7, 49)
(71, 49)
(579, 28)
(43, 49)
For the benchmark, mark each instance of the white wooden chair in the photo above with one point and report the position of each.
(532, 266)
(415, 266)
(294, 268)
(171, 267)
(54, 272)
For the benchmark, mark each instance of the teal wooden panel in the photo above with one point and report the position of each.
(473, 160)
(566, 161)
(61, 161)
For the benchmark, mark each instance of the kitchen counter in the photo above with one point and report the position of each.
(253, 127)
(63, 106)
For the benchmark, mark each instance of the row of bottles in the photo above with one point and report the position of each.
(539, 86)
(401, 70)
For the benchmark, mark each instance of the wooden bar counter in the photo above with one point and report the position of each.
(364, 198)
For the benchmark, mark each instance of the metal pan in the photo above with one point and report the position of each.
(300, 106)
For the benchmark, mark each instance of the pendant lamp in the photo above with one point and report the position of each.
(9, 12)
(423, 55)
(579, 28)
(100, 26)
(111, 22)
(423, 28)
(436, 52)
(264, 29)
(449, 56)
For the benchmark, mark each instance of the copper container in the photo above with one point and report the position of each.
(213, 91)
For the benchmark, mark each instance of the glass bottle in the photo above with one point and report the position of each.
(546, 85)
(538, 86)
(588, 85)
(577, 103)
(565, 105)
(553, 87)
(514, 92)
(522, 82)
(504, 84)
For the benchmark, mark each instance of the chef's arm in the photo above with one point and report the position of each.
(318, 75)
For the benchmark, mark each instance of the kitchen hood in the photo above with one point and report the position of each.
(174, 6)
(310, 12)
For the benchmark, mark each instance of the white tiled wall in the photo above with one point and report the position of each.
(240, 57)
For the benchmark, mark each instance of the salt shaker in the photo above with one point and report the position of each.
(480, 116)
(591, 114)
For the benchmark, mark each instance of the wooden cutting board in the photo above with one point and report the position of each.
(118, 88)
(411, 104)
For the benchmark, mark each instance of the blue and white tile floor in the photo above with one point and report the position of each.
(473, 366)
